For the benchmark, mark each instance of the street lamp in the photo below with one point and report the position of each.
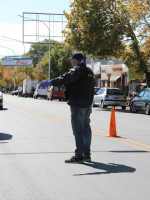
(108, 71)
(16, 41)
(9, 49)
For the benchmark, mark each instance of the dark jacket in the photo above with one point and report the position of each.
(79, 83)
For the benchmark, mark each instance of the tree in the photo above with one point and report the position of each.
(59, 62)
(115, 28)
(40, 54)
(93, 29)
(8, 77)
(37, 51)
(2, 81)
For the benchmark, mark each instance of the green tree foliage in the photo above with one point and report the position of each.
(37, 51)
(118, 28)
(59, 62)
(93, 29)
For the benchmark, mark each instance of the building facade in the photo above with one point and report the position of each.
(114, 73)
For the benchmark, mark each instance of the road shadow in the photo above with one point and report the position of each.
(123, 151)
(140, 151)
(119, 110)
(109, 110)
(107, 168)
(5, 136)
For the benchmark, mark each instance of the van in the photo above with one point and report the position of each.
(40, 92)
(56, 92)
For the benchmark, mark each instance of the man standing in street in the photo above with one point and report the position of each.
(79, 82)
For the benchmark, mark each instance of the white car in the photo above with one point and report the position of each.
(1, 100)
(110, 97)
(40, 92)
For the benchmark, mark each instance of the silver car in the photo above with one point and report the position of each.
(1, 100)
(110, 97)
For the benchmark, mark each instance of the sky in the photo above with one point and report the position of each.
(11, 24)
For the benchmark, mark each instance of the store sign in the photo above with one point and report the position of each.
(16, 61)
(133, 74)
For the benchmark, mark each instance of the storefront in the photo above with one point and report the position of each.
(114, 76)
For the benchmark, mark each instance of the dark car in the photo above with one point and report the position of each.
(141, 102)
(14, 92)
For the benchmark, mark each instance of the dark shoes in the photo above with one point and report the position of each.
(74, 159)
(80, 160)
(87, 158)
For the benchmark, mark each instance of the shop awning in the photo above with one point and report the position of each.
(114, 78)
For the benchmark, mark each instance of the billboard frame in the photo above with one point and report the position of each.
(47, 23)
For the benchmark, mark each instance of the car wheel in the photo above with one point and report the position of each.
(132, 108)
(102, 104)
(123, 107)
(51, 98)
(93, 104)
(147, 109)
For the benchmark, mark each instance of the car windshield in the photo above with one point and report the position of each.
(96, 90)
(42, 87)
(115, 92)
(55, 89)
(62, 89)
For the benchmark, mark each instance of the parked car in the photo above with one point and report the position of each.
(1, 100)
(56, 92)
(110, 97)
(15, 92)
(40, 92)
(141, 102)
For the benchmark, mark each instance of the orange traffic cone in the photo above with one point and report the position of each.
(112, 128)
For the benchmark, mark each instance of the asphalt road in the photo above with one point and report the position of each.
(36, 137)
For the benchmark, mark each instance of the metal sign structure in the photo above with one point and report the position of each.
(16, 61)
(40, 26)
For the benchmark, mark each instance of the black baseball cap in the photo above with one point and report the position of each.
(77, 56)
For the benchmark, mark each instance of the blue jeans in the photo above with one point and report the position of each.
(80, 120)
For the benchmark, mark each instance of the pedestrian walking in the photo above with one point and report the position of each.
(79, 82)
(20, 91)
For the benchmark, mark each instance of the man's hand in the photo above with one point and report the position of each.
(45, 83)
